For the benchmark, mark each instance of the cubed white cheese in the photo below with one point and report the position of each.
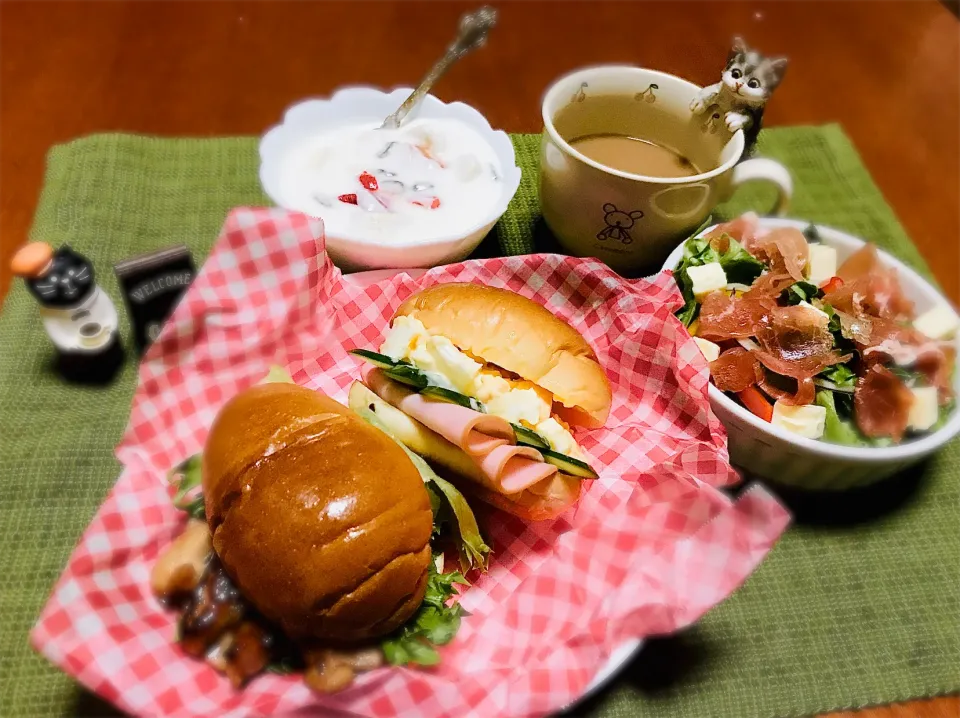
(941, 322)
(806, 420)
(707, 278)
(710, 350)
(808, 305)
(822, 264)
(925, 410)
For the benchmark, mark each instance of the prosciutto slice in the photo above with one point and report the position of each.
(786, 251)
(743, 229)
(936, 365)
(869, 287)
(726, 317)
(805, 393)
(769, 286)
(735, 370)
(488, 440)
(797, 342)
(881, 403)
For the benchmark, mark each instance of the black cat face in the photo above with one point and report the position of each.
(67, 282)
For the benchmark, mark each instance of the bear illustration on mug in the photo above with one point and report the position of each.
(618, 223)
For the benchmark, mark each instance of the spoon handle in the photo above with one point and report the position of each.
(472, 34)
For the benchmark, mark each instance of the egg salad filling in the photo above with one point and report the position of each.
(518, 401)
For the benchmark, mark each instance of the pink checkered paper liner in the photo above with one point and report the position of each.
(652, 545)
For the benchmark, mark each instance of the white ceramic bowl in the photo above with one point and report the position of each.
(772, 453)
(359, 104)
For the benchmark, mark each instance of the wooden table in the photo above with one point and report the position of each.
(886, 70)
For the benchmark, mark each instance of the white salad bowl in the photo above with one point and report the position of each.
(307, 119)
(772, 453)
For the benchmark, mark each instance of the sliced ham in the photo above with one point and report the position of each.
(726, 317)
(881, 403)
(518, 467)
(858, 329)
(769, 286)
(743, 229)
(477, 434)
(805, 392)
(797, 343)
(937, 365)
(488, 440)
(735, 370)
(870, 287)
(785, 249)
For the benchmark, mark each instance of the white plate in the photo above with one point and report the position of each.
(618, 659)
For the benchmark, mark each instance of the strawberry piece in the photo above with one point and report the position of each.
(348, 198)
(368, 181)
(434, 203)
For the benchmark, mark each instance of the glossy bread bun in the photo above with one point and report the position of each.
(320, 519)
(521, 336)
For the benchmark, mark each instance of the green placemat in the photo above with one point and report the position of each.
(858, 604)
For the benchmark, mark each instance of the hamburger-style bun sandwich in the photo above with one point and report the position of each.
(487, 386)
(321, 520)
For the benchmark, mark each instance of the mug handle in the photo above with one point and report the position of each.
(766, 170)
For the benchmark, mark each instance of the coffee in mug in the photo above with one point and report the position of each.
(627, 171)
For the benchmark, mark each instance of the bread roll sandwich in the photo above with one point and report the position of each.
(320, 519)
(316, 543)
(487, 386)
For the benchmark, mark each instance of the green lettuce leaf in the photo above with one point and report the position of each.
(801, 292)
(738, 264)
(434, 623)
(474, 553)
(186, 479)
(840, 374)
(946, 411)
(837, 430)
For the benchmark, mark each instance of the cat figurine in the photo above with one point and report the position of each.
(747, 82)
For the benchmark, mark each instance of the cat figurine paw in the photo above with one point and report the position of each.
(737, 121)
(704, 99)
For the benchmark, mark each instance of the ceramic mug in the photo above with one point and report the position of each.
(633, 221)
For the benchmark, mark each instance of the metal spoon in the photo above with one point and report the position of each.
(472, 34)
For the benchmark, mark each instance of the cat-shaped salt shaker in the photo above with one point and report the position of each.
(747, 82)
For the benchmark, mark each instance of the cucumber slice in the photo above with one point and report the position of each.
(569, 465)
(381, 361)
(528, 437)
(407, 374)
(453, 397)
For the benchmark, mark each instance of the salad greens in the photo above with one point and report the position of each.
(186, 479)
(434, 623)
(800, 292)
(841, 375)
(837, 430)
(738, 264)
